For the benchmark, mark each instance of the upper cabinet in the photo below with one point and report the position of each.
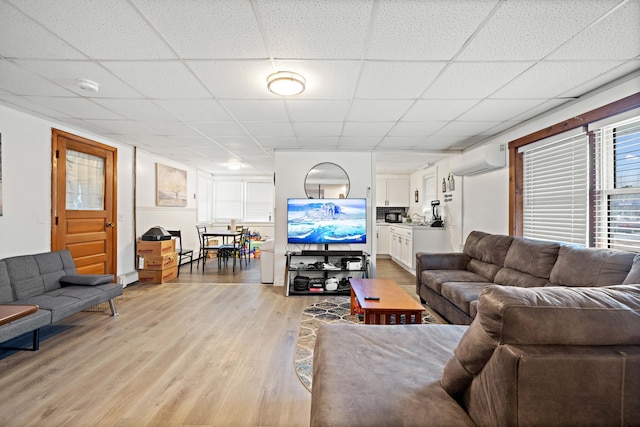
(392, 192)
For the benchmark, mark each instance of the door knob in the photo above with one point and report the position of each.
(109, 224)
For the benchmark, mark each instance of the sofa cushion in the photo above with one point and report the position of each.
(533, 257)
(86, 279)
(434, 279)
(6, 293)
(53, 266)
(493, 248)
(590, 267)
(461, 294)
(383, 375)
(471, 244)
(508, 277)
(634, 274)
(483, 269)
(511, 315)
(24, 275)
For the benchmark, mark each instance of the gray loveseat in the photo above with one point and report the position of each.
(50, 281)
(545, 356)
(451, 282)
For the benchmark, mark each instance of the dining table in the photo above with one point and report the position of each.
(225, 234)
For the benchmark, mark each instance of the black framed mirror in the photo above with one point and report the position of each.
(325, 181)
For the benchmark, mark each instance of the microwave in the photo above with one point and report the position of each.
(393, 217)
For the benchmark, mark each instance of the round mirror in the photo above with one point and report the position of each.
(326, 181)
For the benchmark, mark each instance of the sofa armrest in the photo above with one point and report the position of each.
(441, 261)
(86, 279)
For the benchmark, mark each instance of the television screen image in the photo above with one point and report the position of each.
(325, 221)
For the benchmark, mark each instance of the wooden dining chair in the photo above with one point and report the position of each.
(183, 253)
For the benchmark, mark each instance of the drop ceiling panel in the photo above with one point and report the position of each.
(207, 29)
(437, 110)
(326, 80)
(24, 38)
(171, 128)
(317, 129)
(235, 142)
(170, 79)
(20, 82)
(616, 36)
(465, 129)
(424, 30)
(318, 29)
(24, 104)
(317, 110)
(379, 129)
(400, 142)
(214, 130)
(359, 142)
(244, 79)
(378, 110)
(618, 72)
(530, 30)
(256, 111)
(498, 109)
(258, 129)
(415, 128)
(67, 74)
(396, 80)
(135, 109)
(536, 82)
(195, 110)
(106, 29)
(76, 107)
(278, 142)
(441, 142)
(122, 127)
(474, 80)
(318, 142)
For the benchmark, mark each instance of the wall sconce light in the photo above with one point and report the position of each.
(416, 195)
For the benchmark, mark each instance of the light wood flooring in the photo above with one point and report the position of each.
(213, 349)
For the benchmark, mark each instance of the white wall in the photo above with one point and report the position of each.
(291, 169)
(25, 225)
(171, 218)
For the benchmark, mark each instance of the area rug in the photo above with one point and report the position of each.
(329, 310)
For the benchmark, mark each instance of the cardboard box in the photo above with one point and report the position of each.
(158, 262)
(157, 276)
(159, 248)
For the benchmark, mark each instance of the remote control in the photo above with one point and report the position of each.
(372, 298)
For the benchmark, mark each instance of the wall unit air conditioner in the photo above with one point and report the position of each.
(483, 159)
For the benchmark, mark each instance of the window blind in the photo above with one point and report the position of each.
(556, 186)
(259, 201)
(617, 186)
(228, 200)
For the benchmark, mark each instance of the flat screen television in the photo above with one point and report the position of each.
(326, 221)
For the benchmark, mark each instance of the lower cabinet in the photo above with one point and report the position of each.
(406, 241)
(384, 240)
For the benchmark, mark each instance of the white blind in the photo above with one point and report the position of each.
(204, 197)
(228, 200)
(617, 186)
(259, 201)
(556, 186)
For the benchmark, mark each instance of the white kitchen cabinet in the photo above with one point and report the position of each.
(407, 240)
(384, 241)
(392, 192)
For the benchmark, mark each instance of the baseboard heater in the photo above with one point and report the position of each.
(128, 278)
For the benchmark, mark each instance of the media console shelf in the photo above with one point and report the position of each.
(320, 265)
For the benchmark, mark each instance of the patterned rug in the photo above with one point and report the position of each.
(329, 310)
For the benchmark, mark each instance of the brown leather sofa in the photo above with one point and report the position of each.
(450, 283)
(546, 356)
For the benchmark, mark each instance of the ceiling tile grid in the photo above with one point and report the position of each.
(411, 80)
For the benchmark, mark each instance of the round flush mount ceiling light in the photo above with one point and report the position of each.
(286, 83)
(89, 85)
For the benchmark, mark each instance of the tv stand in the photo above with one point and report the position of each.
(311, 264)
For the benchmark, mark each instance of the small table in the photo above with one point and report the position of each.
(11, 312)
(394, 301)
(225, 234)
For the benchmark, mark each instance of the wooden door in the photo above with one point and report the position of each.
(83, 204)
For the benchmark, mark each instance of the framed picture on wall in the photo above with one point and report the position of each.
(171, 186)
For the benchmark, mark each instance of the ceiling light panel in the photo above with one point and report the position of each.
(234, 79)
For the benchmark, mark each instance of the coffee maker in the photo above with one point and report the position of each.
(436, 219)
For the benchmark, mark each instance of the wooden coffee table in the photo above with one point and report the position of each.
(394, 301)
(11, 312)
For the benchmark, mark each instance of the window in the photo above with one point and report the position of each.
(221, 199)
(617, 185)
(556, 188)
(430, 191)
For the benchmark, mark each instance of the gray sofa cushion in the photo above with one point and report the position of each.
(471, 244)
(461, 294)
(634, 273)
(86, 279)
(434, 279)
(509, 277)
(590, 267)
(24, 275)
(6, 293)
(53, 266)
(533, 257)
